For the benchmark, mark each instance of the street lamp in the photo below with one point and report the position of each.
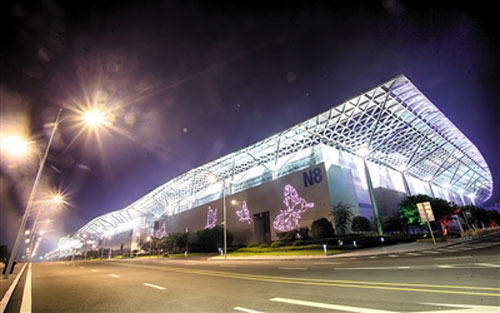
(212, 178)
(16, 146)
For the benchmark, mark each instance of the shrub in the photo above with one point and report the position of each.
(299, 243)
(303, 233)
(321, 228)
(360, 224)
(287, 235)
(275, 244)
(263, 245)
(252, 245)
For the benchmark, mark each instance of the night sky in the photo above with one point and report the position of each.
(187, 82)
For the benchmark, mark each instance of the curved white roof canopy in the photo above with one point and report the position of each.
(394, 122)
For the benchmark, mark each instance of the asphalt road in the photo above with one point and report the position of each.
(467, 276)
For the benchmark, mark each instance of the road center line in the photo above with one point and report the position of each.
(453, 258)
(154, 286)
(488, 264)
(397, 286)
(329, 306)
(115, 276)
(327, 263)
(292, 268)
(238, 308)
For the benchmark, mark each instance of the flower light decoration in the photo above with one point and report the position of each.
(244, 213)
(211, 218)
(288, 219)
(162, 232)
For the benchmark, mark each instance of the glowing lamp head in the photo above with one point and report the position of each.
(94, 118)
(233, 202)
(57, 199)
(471, 196)
(27, 232)
(149, 238)
(15, 145)
(212, 178)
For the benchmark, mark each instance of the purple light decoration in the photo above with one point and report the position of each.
(288, 219)
(244, 213)
(162, 232)
(211, 218)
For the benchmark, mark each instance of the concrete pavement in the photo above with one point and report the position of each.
(466, 277)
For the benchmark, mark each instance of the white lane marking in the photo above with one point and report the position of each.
(488, 264)
(372, 257)
(465, 308)
(292, 268)
(430, 251)
(393, 255)
(154, 286)
(6, 298)
(414, 254)
(329, 306)
(227, 265)
(26, 302)
(327, 263)
(353, 258)
(403, 267)
(445, 266)
(82, 266)
(93, 270)
(115, 276)
(238, 308)
(454, 257)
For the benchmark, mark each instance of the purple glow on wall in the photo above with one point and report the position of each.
(244, 213)
(288, 219)
(211, 218)
(162, 232)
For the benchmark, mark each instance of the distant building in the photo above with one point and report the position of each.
(369, 152)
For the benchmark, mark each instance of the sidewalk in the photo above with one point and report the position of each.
(390, 249)
(401, 248)
(5, 283)
(7, 286)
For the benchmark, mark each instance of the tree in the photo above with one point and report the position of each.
(322, 228)
(360, 224)
(342, 216)
(409, 215)
(479, 216)
(392, 224)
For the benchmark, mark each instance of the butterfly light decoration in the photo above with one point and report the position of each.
(211, 218)
(244, 213)
(162, 232)
(288, 219)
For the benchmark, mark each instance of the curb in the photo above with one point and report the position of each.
(6, 297)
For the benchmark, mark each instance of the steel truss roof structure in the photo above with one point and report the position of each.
(394, 124)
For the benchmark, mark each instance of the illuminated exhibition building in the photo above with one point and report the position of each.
(369, 152)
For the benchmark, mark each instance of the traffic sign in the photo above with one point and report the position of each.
(425, 211)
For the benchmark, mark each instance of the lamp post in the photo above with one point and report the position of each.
(91, 118)
(214, 178)
(30, 200)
